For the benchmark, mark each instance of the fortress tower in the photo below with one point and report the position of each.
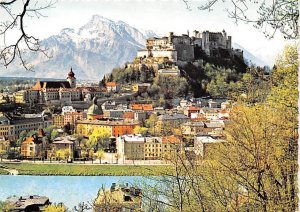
(71, 79)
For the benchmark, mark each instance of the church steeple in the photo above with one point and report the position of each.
(71, 78)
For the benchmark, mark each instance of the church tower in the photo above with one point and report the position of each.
(71, 79)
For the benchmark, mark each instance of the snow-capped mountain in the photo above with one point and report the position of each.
(92, 50)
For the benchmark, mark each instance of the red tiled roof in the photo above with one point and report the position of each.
(193, 108)
(147, 107)
(136, 107)
(111, 84)
(170, 139)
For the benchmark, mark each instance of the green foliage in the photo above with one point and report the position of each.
(140, 130)
(151, 123)
(54, 134)
(5, 206)
(31, 133)
(22, 135)
(100, 155)
(98, 138)
(55, 208)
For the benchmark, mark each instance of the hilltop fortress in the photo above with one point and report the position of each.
(184, 48)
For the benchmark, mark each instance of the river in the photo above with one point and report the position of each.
(70, 190)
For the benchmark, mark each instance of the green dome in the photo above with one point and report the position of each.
(94, 110)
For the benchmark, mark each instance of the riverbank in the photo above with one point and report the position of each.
(86, 170)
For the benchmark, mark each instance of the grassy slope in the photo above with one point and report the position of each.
(88, 170)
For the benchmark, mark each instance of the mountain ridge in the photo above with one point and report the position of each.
(92, 50)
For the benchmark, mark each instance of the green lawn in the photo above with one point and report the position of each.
(3, 172)
(88, 170)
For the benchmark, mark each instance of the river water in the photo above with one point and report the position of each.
(70, 190)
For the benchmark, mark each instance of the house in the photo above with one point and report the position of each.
(118, 198)
(31, 147)
(35, 146)
(153, 148)
(63, 147)
(167, 122)
(31, 203)
(192, 128)
(171, 145)
(131, 147)
(191, 111)
(210, 113)
(112, 87)
(140, 87)
(214, 128)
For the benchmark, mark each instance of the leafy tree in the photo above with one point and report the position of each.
(5, 206)
(55, 208)
(98, 137)
(22, 135)
(54, 134)
(31, 133)
(63, 154)
(2, 152)
(100, 155)
(151, 123)
(140, 130)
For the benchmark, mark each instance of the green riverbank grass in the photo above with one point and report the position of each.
(87, 170)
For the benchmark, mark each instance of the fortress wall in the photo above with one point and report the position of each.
(185, 52)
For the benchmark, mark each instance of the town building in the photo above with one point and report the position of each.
(58, 92)
(35, 146)
(140, 87)
(116, 127)
(112, 87)
(63, 147)
(11, 127)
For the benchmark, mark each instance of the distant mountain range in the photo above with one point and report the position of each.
(92, 50)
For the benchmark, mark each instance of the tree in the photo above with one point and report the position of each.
(100, 155)
(22, 135)
(55, 208)
(5, 206)
(63, 154)
(117, 156)
(98, 137)
(272, 16)
(2, 152)
(255, 168)
(140, 130)
(15, 14)
(151, 123)
(54, 134)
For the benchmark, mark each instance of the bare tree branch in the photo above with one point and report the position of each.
(15, 12)
(272, 16)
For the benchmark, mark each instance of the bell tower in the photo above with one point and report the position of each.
(71, 79)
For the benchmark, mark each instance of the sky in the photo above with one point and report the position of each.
(162, 16)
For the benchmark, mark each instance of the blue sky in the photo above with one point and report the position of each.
(161, 16)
